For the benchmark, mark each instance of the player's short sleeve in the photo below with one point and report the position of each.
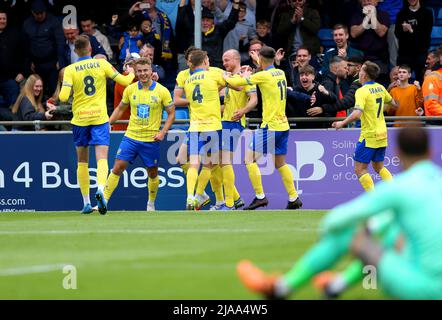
(218, 77)
(257, 78)
(166, 98)
(250, 89)
(126, 95)
(109, 70)
(180, 80)
(360, 98)
(67, 78)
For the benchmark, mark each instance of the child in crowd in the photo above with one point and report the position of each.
(409, 96)
(129, 42)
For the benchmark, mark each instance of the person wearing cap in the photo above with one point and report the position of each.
(44, 42)
(213, 35)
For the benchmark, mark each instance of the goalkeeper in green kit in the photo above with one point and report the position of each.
(412, 202)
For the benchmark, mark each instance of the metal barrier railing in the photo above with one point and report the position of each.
(249, 121)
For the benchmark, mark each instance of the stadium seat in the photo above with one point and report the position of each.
(180, 114)
(326, 38)
(436, 36)
(439, 18)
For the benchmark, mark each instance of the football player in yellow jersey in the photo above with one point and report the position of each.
(87, 78)
(272, 137)
(202, 92)
(236, 105)
(371, 99)
(213, 174)
(146, 99)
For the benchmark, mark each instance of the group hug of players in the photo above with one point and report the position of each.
(214, 130)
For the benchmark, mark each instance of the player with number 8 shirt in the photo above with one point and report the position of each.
(87, 78)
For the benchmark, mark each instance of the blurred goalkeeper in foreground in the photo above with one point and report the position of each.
(414, 199)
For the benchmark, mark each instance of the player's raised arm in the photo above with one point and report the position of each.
(113, 74)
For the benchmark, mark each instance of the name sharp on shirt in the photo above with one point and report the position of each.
(92, 65)
(376, 90)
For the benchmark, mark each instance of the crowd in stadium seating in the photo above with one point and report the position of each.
(323, 43)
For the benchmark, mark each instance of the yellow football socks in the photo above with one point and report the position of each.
(255, 178)
(83, 178)
(185, 167)
(216, 181)
(102, 172)
(287, 179)
(385, 174)
(229, 184)
(192, 177)
(111, 185)
(203, 180)
(152, 186)
(366, 182)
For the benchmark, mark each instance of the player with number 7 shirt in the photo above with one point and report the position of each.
(369, 107)
(87, 79)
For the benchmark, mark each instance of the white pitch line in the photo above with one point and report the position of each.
(165, 231)
(32, 269)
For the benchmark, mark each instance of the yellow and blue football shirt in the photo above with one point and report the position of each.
(273, 86)
(235, 100)
(87, 77)
(370, 99)
(185, 74)
(202, 90)
(146, 109)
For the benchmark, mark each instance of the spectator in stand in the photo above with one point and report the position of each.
(170, 8)
(254, 48)
(214, 35)
(148, 51)
(432, 90)
(369, 29)
(29, 106)
(160, 22)
(409, 96)
(241, 34)
(129, 42)
(11, 66)
(394, 78)
(413, 30)
(392, 7)
(150, 39)
(223, 9)
(321, 96)
(432, 60)
(300, 25)
(334, 80)
(44, 38)
(302, 58)
(354, 65)
(71, 32)
(88, 26)
(343, 48)
(263, 31)
(185, 31)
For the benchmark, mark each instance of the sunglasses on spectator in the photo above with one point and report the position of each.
(351, 65)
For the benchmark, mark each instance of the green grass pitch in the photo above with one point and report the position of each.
(162, 255)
